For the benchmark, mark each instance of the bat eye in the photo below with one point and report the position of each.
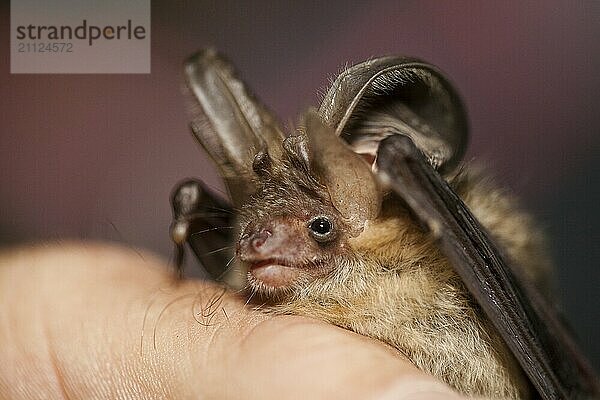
(321, 229)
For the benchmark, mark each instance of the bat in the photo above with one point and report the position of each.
(366, 217)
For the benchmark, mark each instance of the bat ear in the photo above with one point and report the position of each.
(349, 180)
(228, 121)
(396, 95)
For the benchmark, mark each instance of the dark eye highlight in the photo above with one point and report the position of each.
(321, 228)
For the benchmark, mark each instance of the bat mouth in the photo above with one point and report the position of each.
(274, 274)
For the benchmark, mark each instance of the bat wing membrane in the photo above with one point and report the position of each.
(203, 220)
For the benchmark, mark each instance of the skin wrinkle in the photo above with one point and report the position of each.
(28, 352)
(60, 379)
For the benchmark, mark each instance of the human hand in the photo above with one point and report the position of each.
(90, 320)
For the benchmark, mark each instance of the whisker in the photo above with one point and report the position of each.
(250, 298)
(259, 307)
(217, 250)
(227, 268)
(216, 189)
(121, 238)
(215, 228)
(225, 210)
(242, 290)
(211, 229)
(229, 262)
(200, 214)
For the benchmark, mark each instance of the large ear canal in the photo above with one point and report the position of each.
(228, 121)
(349, 180)
(396, 95)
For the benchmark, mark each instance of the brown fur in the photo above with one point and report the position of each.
(397, 287)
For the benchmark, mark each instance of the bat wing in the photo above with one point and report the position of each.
(204, 221)
(528, 325)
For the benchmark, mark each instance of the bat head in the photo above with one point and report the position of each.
(307, 205)
(304, 197)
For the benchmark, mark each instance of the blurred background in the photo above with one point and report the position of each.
(96, 156)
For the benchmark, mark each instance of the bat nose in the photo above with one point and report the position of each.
(260, 242)
(258, 239)
(253, 238)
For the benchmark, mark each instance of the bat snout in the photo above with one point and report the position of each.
(265, 241)
(270, 253)
(258, 240)
(280, 252)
